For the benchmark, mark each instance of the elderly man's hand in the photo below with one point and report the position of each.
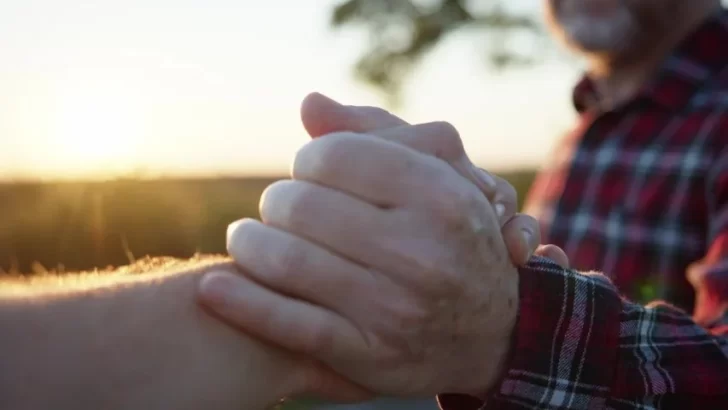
(381, 261)
(322, 116)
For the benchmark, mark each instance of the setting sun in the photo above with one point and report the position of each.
(97, 129)
(159, 88)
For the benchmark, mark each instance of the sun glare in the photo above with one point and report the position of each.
(97, 131)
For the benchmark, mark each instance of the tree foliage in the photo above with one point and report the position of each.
(402, 32)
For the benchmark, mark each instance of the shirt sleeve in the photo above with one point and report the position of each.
(579, 345)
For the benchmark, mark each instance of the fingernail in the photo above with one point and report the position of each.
(485, 178)
(527, 236)
(215, 287)
(500, 210)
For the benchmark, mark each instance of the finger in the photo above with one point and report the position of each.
(292, 324)
(293, 266)
(377, 171)
(554, 253)
(327, 217)
(440, 140)
(522, 236)
(313, 211)
(504, 199)
(321, 115)
(363, 233)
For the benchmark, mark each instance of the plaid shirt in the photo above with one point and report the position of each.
(639, 192)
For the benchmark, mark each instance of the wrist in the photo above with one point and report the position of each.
(499, 359)
(492, 353)
(501, 365)
(473, 399)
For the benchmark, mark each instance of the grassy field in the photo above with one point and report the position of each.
(77, 226)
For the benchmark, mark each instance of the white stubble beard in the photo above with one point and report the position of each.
(611, 34)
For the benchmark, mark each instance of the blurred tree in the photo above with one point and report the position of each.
(402, 32)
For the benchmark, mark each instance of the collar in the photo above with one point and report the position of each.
(698, 58)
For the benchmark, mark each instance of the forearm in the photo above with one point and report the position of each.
(138, 342)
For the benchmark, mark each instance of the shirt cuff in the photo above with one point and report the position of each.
(565, 342)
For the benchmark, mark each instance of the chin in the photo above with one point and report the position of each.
(599, 36)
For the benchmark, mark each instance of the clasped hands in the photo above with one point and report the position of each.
(386, 265)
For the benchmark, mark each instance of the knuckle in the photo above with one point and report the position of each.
(449, 144)
(506, 194)
(323, 156)
(290, 259)
(458, 205)
(375, 112)
(286, 203)
(376, 118)
(449, 133)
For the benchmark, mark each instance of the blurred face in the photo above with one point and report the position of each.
(606, 27)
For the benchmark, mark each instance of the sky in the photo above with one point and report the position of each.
(105, 88)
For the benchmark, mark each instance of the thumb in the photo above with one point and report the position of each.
(554, 253)
(322, 115)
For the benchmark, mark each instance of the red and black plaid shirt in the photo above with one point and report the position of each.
(640, 193)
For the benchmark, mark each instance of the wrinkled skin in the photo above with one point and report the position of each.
(403, 285)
